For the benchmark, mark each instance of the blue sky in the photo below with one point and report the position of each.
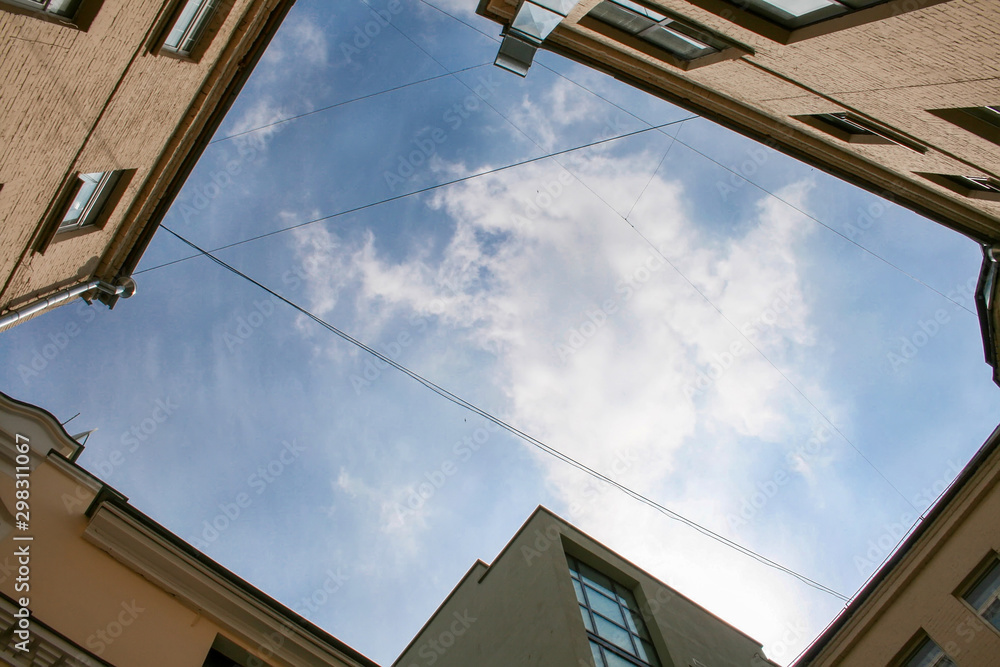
(785, 359)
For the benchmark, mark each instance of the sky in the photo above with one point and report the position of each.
(774, 354)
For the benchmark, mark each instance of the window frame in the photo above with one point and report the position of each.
(871, 133)
(81, 20)
(575, 566)
(726, 49)
(970, 119)
(158, 44)
(109, 192)
(985, 566)
(914, 646)
(737, 12)
(958, 183)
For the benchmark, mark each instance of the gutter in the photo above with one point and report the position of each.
(246, 67)
(989, 448)
(987, 291)
(125, 289)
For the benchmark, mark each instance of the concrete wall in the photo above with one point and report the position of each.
(525, 611)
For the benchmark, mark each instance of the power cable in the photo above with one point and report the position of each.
(551, 451)
(429, 188)
(688, 280)
(344, 103)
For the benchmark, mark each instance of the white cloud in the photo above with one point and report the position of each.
(601, 344)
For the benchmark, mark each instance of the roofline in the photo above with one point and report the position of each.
(113, 499)
(108, 495)
(54, 424)
(246, 67)
(541, 509)
(991, 446)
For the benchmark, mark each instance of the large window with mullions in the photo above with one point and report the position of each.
(617, 633)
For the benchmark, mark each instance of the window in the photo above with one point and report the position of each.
(88, 198)
(974, 187)
(615, 628)
(64, 8)
(926, 654)
(984, 594)
(788, 21)
(189, 26)
(982, 121)
(855, 130)
(655, 33)
(799, 13)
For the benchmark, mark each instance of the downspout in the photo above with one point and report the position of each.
(125, 290)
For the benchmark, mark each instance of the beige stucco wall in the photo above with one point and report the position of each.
(81, 591)
(525, 611)
(924, 590)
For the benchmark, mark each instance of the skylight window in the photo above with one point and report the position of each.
(678, 38)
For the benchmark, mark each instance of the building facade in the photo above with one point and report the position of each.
(935, 602)
(900, 97)
(87, 580)
(105, 106)
(556, 597)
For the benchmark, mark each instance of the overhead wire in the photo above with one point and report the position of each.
(429, 188)
(673, 265)
(535, 442)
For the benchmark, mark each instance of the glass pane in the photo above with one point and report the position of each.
(983, 595)
(639, 9)
(597, 580)
(616, 661)
(183, 22)
(648, 653)
(992, 613)
(596, 650)
(65, 8)
(587, 622)
(579, 592)
(605, 606)
(929, 654)
(621, 18)
(615, 634)
(984, 588)
(86, 190)
(794, 13)
(800, 8)
(680, 45)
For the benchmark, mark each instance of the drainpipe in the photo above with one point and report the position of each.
(125, 290)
